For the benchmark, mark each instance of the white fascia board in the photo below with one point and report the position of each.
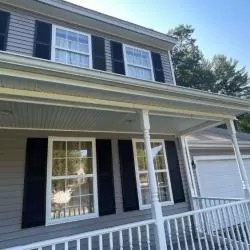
(216, 144)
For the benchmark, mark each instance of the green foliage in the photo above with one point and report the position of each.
(221, 75)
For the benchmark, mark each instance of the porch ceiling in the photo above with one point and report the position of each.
(15, 115)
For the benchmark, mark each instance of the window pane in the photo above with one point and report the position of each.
(73, 58)
(72, 40)
(145, 196)
(58, 167)
(138, 72)
(87, 204)
(142, 163)
(73, 149)
(159, 163)
(84, 61)
(86, 166)
(83, 43)
(86, 186)
(61, 38)
(162, 179)
(59, 149)
(143, 180)
(163, 194)
(86, 149)
(157, 148)
(61, 56)
(163, 189)
(73, 167)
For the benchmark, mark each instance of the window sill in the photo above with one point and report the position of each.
(71, 219)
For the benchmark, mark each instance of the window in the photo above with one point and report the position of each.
(71, 47)
(71, 181)
(161, 172)
(138, 63)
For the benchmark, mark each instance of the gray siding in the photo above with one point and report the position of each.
(21, 34)
(21, 38)
(12, 165)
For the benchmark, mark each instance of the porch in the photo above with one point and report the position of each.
(40, 99)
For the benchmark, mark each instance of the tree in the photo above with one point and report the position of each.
(228, 79)
(191, 69)
(243, 123)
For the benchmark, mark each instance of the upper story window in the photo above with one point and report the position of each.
(71, 47)
(138, 63)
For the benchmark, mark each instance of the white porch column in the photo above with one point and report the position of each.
(156, 209)
(239, 160)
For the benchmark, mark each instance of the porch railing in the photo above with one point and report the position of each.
(224, 226)
(131, 236)
(206, 202)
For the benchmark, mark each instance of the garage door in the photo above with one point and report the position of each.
(218, 176)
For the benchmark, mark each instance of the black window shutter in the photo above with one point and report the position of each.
(106, 194)
(42, 41)
(174, 171)
(157, 66)
(98, 53)
(4, 27)
(117, 58)
(34, 199)
(128, 179)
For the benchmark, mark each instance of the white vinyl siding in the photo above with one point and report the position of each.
(72, 180)
(138, 62)
(71, 47)
(161, 172)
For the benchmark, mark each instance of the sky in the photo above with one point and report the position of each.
(221, 26)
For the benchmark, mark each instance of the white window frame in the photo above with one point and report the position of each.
(135, 65)
(165, 203)
(54, 47)
(50, 221)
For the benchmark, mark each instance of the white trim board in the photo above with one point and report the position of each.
(217, 157)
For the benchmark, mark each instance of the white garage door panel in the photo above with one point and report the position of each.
(218, 176)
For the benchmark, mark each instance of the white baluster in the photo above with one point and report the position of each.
(242, 226)
(66, 245)
(148, 236)
(209, 228)
(139, 237)
(233, 215)
(184, 232)
(100, 242)
(231, 227)
(197, 228)
(78, 245)
(111, 243)
(53, 247)
(121, 239)
(204, 231)
(89, 243)
(214, 227)
(170, 235)
(247, 218)
(244, 212)
(221, 227)
(130, 238)
(191, 232)
(224, 219)
(177, 233)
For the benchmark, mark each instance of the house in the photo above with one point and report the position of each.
(89, 113)
(214, 166)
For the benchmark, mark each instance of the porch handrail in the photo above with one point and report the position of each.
(216, 198)
(176, 216)
(88, 235)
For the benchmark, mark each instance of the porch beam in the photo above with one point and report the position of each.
(31, 96)
(239, 160)
(156, 209)
(200, 127)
